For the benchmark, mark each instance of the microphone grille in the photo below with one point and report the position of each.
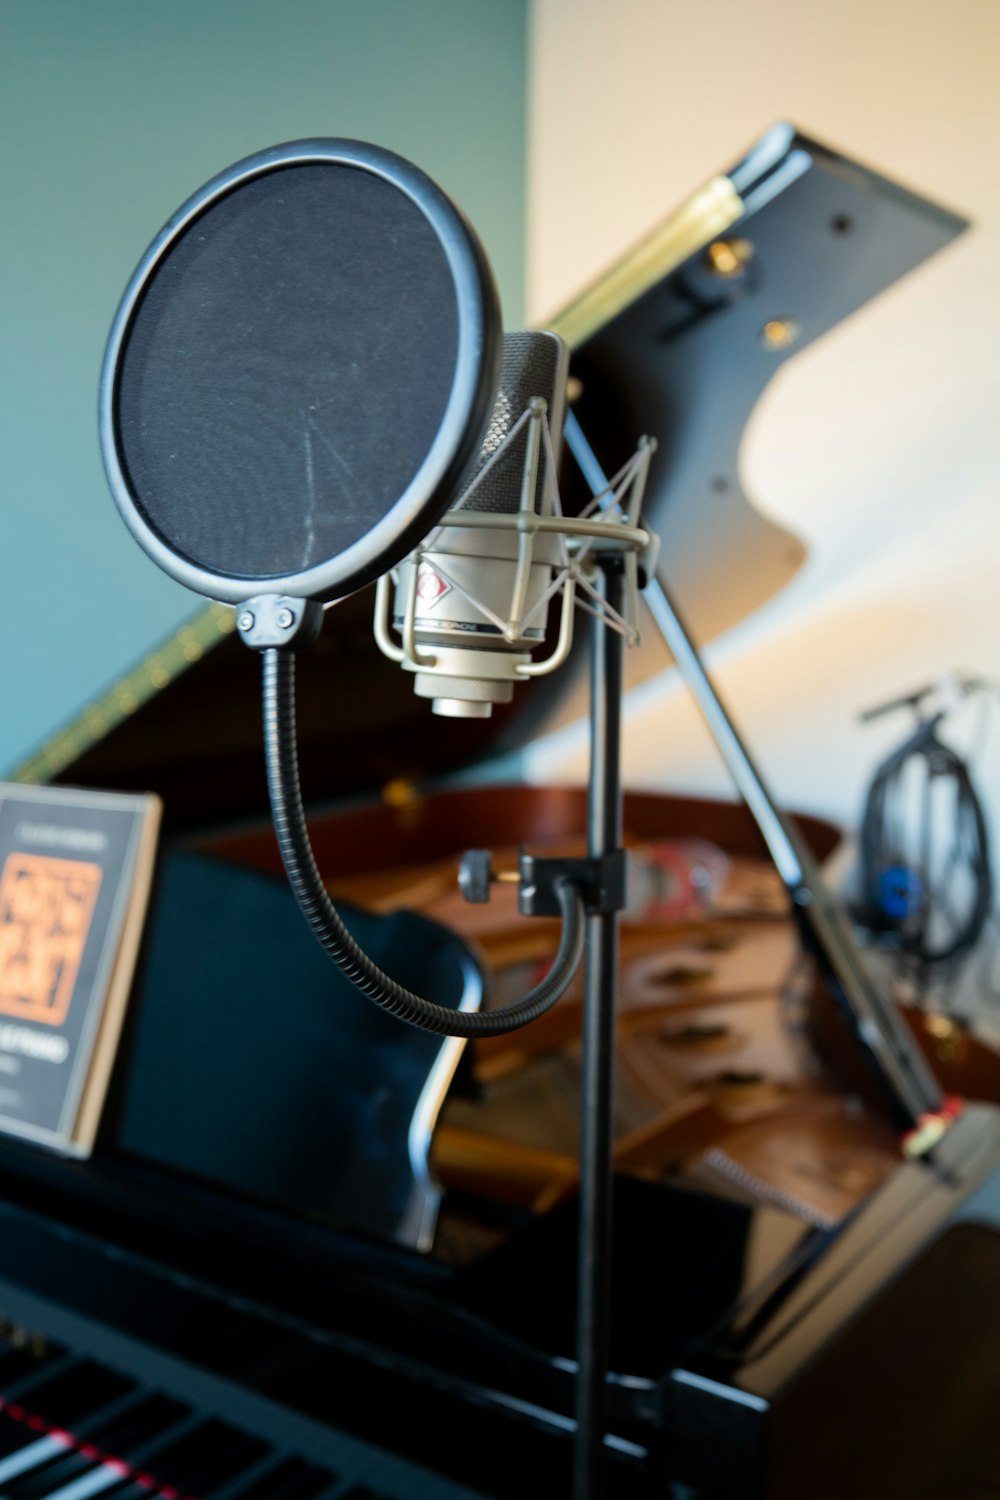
(534, 364)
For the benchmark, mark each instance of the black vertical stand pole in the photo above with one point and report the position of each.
(604, 835)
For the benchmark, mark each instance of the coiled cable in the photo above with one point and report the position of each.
(310, 892)
(902, 893)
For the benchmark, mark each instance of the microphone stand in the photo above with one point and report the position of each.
(588, 892)
(599, 878)
(604, 838)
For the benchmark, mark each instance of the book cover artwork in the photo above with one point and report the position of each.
(75, 869)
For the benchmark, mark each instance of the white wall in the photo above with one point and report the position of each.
(879, 445)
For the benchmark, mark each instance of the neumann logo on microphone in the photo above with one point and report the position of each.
(431, 587)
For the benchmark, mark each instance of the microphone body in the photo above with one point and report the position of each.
(470, 602)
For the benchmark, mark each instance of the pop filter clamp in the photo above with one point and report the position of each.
(287, 410)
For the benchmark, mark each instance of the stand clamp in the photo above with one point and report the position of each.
(600, 880)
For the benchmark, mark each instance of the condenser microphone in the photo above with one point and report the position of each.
(300, 372)
(471, 601)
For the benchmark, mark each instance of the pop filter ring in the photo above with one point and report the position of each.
(454, 447)
(290, 602)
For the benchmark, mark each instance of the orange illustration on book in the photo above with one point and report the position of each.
(45, 911)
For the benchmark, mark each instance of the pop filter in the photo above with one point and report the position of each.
(301, 369)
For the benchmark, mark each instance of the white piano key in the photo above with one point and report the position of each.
(99, 1479)
(35, 1454)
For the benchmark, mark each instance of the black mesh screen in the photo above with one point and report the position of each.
(287, 370)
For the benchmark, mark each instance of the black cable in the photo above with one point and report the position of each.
(883, 852)
(311, 894)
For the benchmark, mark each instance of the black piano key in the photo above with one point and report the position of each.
(14, 1435)
(289, 1479)
(137, 1454)
(124, 1430)
(160, 1422)
(213, 1453)
(128, 1489)
(24, 1363)
(69, 1394)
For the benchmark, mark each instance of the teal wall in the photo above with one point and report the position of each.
(111, 113)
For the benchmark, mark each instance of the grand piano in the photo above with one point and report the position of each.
(226, 1302)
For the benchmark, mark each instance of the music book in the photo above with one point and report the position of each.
(75, 873)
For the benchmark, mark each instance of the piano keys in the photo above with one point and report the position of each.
(132, 1425)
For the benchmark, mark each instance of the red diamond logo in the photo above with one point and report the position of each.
(430, 585)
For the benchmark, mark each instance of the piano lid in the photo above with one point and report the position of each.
(678, 339)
